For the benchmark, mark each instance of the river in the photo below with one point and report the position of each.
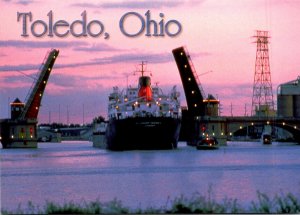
(75, 171)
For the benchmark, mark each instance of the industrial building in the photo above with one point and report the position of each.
(288, 99)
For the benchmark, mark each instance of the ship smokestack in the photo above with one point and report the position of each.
(145, 90)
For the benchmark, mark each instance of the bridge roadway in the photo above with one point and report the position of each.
(223, 127)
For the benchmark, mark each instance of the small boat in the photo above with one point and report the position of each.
(266, 138)
(207, 142)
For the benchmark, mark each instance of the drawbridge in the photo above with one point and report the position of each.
(201, 114)
(198, 105)
(191, 84)
(20, 130)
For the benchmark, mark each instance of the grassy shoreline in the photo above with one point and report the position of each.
(197, 203)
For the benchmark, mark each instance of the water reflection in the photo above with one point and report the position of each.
(75, 170)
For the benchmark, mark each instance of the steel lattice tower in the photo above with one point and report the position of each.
(262, 99)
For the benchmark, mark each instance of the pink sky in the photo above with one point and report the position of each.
(217, 33)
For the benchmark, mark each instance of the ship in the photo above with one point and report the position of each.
(143, 117)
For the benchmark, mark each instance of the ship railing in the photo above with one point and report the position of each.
(133, 114)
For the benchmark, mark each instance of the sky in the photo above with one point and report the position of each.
(217, 33)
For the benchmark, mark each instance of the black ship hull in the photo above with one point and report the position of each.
(143, 133)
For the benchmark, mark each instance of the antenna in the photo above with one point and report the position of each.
(204, 73)
(29, 76)
(143, 70)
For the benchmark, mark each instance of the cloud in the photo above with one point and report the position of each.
(136, 57)
(141, 4)
(154, 4)
(86, 5)
(41, 44)
(21, 2)
(78, 80)
(76, 45)
(25, 2)
(128, 58)
(24, 67)
(200, 54)
(235, 92)
(133, 57)
(153, 58)
(132, 4)
(97, 48)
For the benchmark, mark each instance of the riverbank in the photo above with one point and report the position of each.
(197, 203)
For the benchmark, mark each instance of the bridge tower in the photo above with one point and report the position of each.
(262, 99)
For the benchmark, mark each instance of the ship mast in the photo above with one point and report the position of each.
(142, 71)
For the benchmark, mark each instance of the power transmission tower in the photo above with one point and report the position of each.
(262, 99)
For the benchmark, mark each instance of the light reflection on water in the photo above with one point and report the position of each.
(75, 170)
